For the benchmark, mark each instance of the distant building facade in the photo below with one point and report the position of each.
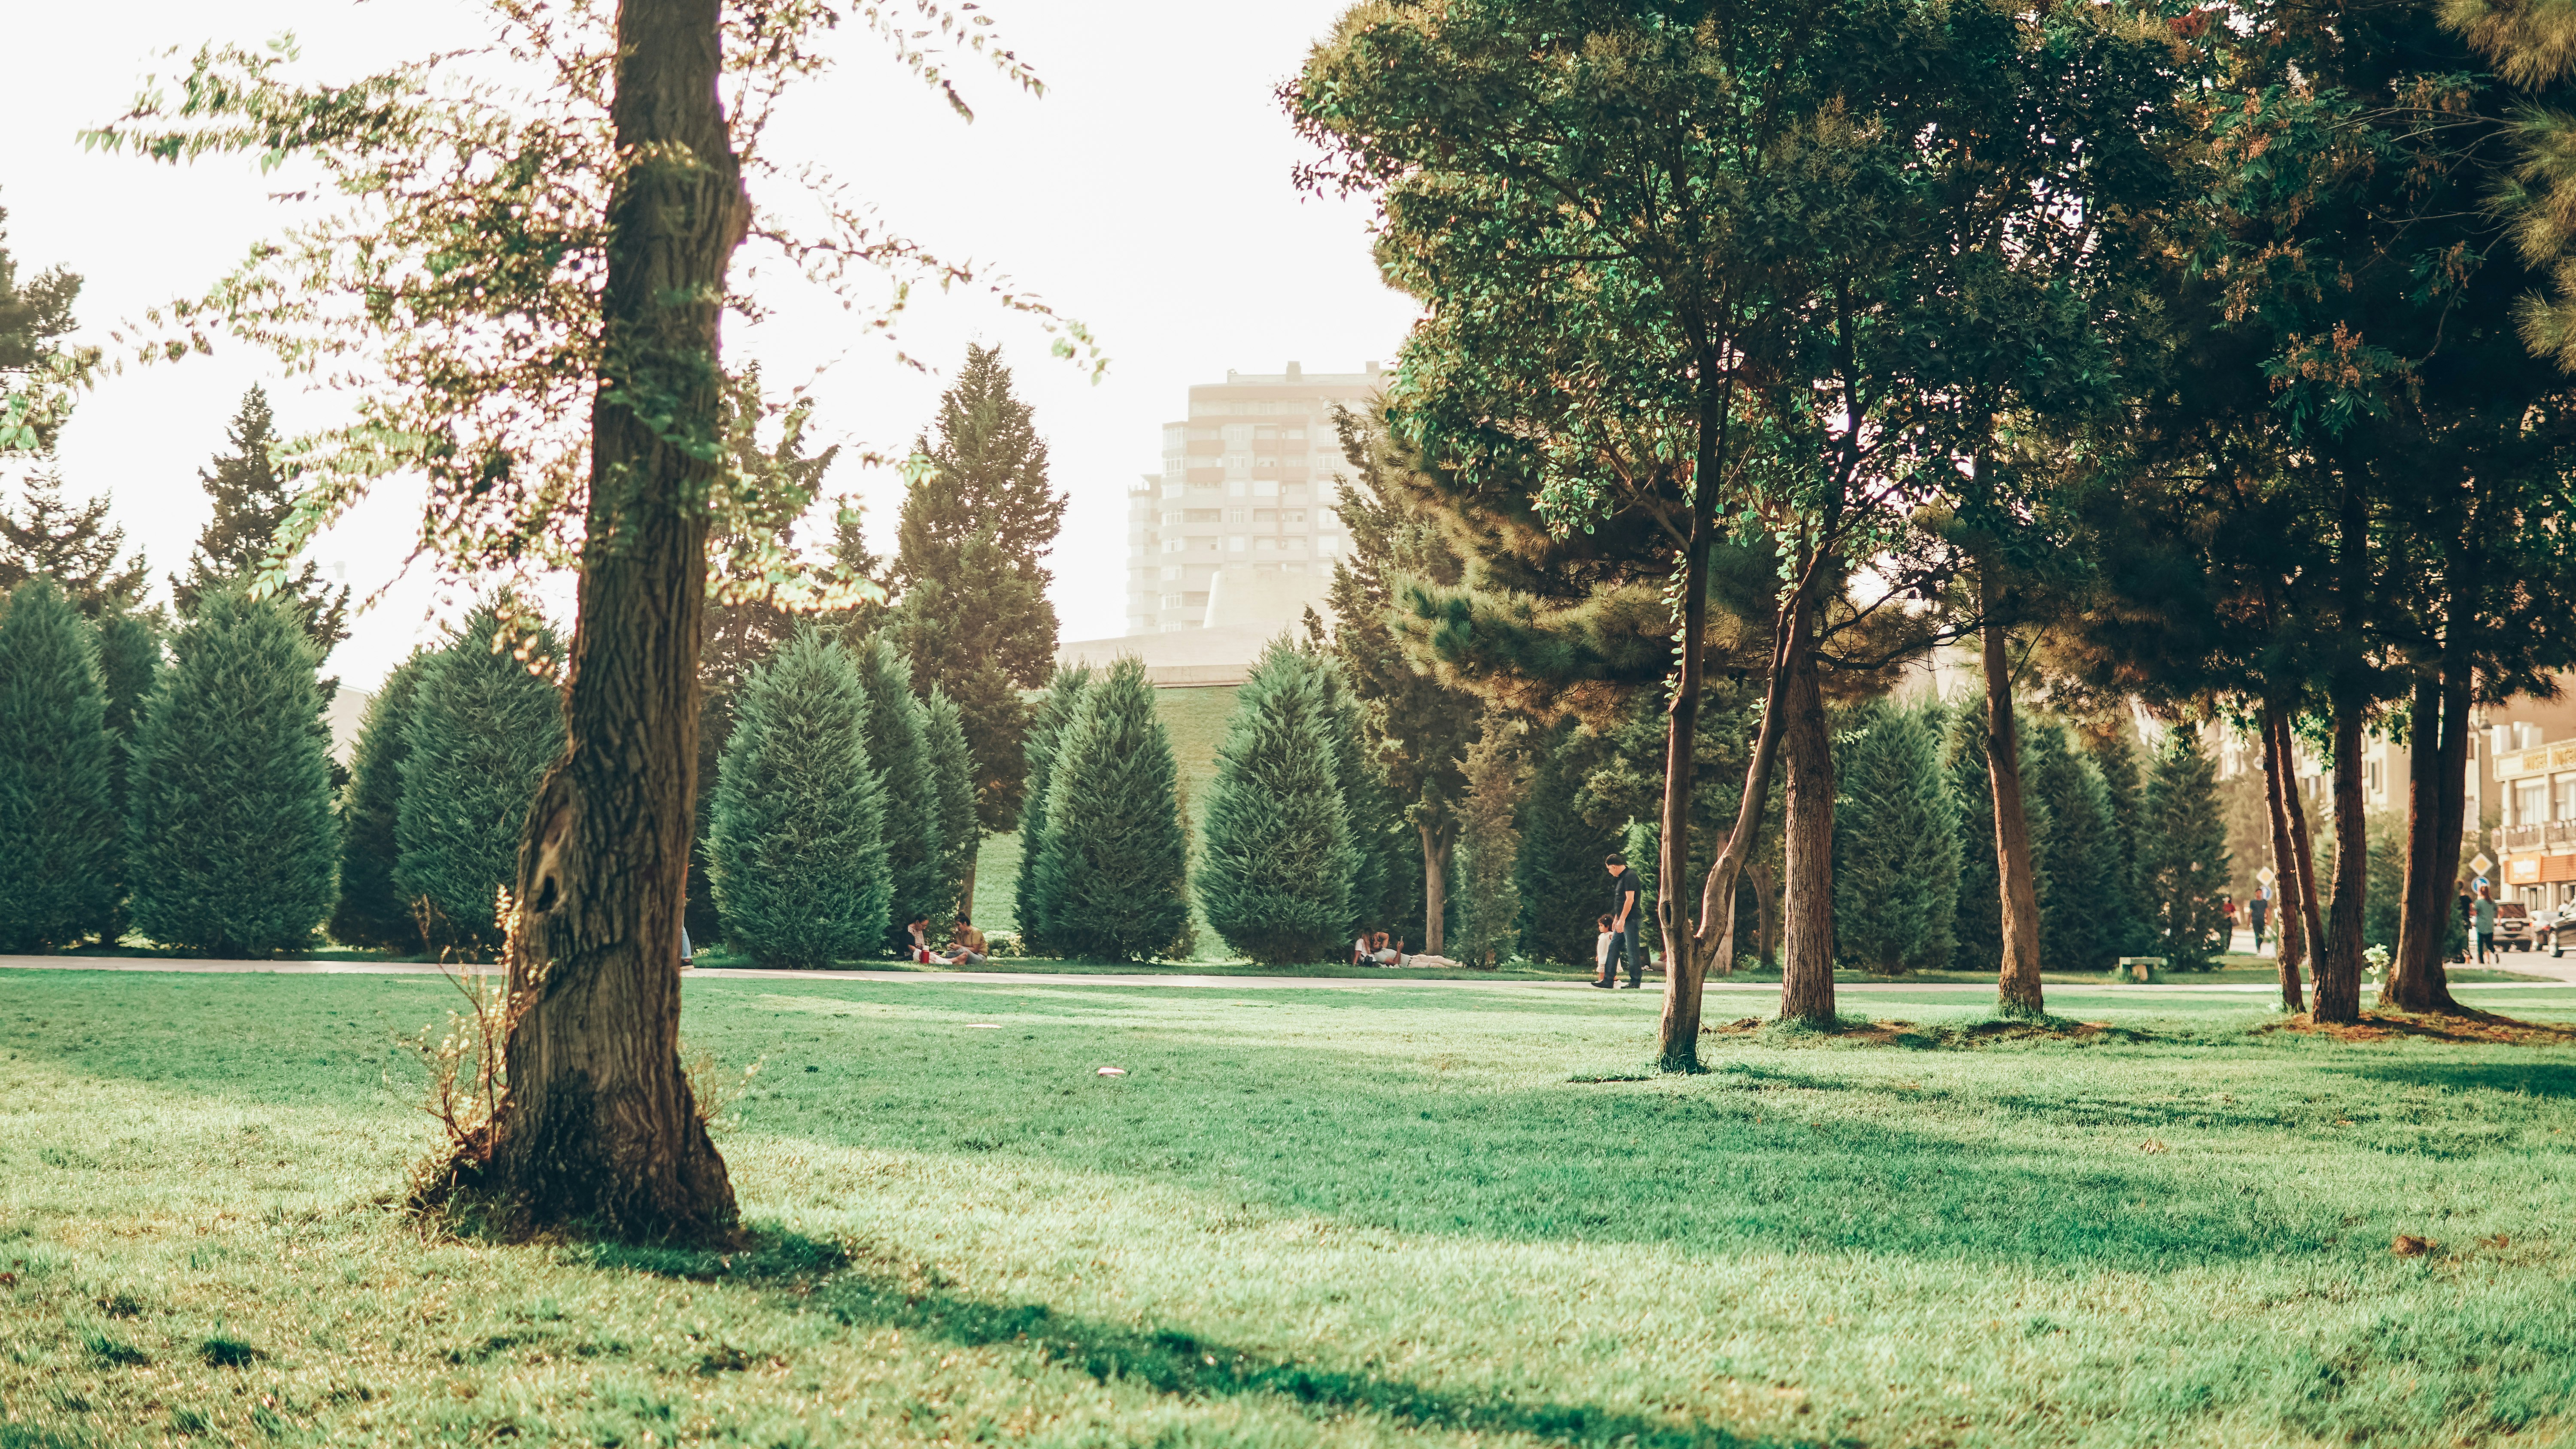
(1247, 489)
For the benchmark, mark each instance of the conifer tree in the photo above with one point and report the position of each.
(483, 730)
(59, 836)
(1113, 871)
(2185, 850)
(1276, 858)
(39, 371)
(2080, 922)
(1978, 925)
(1558, 872)
(2114, 752)
(252, 498)
(952, 770)
(1053, 716)
(373, 912)
(1489, 846)
(971, 611)
(76, 547)
(1380, 840)
(1896, 845)
(129, 659)
(900, 749)
(231, 840)
(797, 851)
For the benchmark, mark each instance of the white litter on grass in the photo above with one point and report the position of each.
(983, 1026)
(1113, 1071)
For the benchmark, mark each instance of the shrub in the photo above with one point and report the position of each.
(1047, 724)
(897, 727)
(1896, 845)
(1113, 874)
(59, 842)
(1276, 863)
(231, 839)
(372, 912)
(483, 730)
(796, 852)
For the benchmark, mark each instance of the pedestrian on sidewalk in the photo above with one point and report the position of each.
(2482, 918)
(2259, 912)
(1623, 926)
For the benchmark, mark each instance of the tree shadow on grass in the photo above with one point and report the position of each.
(805, 1274)
(2527, 1079)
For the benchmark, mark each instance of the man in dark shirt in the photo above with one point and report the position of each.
(1623, 925)
(2259, 911)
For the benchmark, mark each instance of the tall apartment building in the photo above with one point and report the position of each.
(1247, 489)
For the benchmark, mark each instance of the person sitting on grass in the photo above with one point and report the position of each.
(1362, 953)
(919, 931)
(965, 944)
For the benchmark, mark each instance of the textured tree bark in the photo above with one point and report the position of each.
(1677, 1033)
(1766, 908)
(2017, 985)
(2309, 900)
(598, 1129)
(2286, 892)
(2339, 959)
(1807, 965)
(2436, 793)
(1437, 838)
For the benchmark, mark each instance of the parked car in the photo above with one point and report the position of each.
(2514, 931)
(2552, 927)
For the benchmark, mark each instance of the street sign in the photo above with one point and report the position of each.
(2481, 864)
(2265, 875)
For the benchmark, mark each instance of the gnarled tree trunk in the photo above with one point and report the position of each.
(598, 1128)
(2017, 985)
(1807, 965)
(2287, 893)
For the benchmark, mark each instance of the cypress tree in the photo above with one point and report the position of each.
(2185, 850)
(1379, 837)
(1558, 871)
(1053, 715)
(1978, 923)
(58, 828)
(1489, 844)
(372, 912)
(2115, 753)
(1113, 870)
(483, 730)
(1896, 845)
(2080, 925)
(129, 659)
(797, 851)
(1276, 861)
(898, 746)
(231, 839)
(952, 770)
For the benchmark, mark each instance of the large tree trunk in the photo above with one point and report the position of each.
(2339, 958)
(2436, 793)
(2309, 902)
(1438, 835)
(1766, 909)
(2017, 986)
(1677, 1047)
(597, 1128)
(2287, 892)
(1807, 966)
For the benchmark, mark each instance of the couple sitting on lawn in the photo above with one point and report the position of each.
(965, 944)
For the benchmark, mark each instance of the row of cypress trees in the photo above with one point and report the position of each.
(189, 799)
(1104, 849)
(844, 805)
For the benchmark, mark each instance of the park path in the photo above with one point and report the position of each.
(2565, 969)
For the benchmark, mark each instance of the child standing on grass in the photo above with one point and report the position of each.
(1601, 945)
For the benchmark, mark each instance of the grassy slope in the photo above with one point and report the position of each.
(1324, 1218)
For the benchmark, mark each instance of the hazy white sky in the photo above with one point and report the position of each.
(1146, 194)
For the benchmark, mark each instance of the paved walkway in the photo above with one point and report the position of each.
(1232, 983)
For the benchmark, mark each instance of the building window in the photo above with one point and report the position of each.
(1292, 515)
(1265, 487)
(1206, 515)
(2567, 797)
(1238, 515)
(1234, 487)
(1172, 601)
(1171, 573)
(2530, 802)
(1265, 515)
(1235, 544)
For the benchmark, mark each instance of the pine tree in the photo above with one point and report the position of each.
(372, 912)
(129, 660)
(39, 372)
(971, 611)
(1896, 845)
(59, 837)
(1113, 872)
(2080, 928)
(1276, 859)
(1381, 842)
(2185, 850)
(797, 852)
(252, 499)
(1489, 846)
(952, 770)
(2114, 751)
(75, 547)
(1978, 924)
(483, 730)
(1558, 872)
(231, 840)
(899, 748)
(1053, 716)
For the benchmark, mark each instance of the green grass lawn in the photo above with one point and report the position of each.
(1428, 1217)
